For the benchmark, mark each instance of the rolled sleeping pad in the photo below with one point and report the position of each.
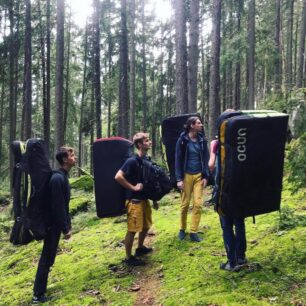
(172, 127)
(109, 154)
(250, 162)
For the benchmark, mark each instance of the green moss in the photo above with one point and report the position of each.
(78, 204)
(191, 274)
(84, 182)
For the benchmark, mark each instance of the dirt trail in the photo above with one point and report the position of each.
(148, 282)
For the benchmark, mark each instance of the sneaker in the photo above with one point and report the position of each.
(195, 237)
(242, 261)
(133, 261)
(143, 251)
(181, 235)
(227, 266)
(39, 299)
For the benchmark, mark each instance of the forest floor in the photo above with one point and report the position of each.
(89, 270)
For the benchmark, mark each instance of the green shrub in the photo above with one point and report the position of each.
(289, 220)
(84, 182)
(296, 163)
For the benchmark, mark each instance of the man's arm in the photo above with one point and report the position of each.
(119, 177)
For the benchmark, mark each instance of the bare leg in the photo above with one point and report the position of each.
(141, 238)
(129, 239)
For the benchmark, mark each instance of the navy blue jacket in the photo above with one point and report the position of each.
(181, 156)
(60, 197)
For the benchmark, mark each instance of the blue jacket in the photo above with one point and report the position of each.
(181, 156)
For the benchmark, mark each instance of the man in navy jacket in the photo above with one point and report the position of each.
(59, 221)
(191, 171)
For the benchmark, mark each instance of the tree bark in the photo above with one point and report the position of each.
(251, 55)
(193, 55)
(27, 81)
(214, 99)
(289, 46)
(48, 84)
(123, 76)
(144, 67)
(59, 131)
(132, 68)
(97, 69)
(301, 50)
(67, 89)
(181, 86)
(278, 51)
(80, 157)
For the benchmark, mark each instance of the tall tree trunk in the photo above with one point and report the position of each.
(132, 68)
(154, 110)
(144, 68)
(278, 51)
(43, 66)
(251, 55)
(80, 159)
(301, 55)
(296, 48)
(214, 99)
(123, 77)
(67, 89)
(193, 55)
(181, 86)
(289, 46)
(97, 69)
(1, 110)
(48, 84)
(27, 83)
(238, 66)
(60, 17)
(110, 74)
(12, 105)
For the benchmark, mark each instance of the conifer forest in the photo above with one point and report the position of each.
(134, 62)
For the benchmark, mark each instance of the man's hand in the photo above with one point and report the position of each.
(155, 205)
(68, 235)
(180, 185)
(204, 182)
(138, 187)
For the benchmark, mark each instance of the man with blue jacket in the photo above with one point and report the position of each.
(191, 171)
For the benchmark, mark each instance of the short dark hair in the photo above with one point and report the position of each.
(139, 137)
(191, 120)
(63, 153)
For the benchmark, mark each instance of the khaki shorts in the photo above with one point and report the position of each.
(139, 216)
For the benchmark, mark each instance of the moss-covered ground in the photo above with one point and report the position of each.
(88, 268)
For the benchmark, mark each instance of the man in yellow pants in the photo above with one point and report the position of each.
(191, 171)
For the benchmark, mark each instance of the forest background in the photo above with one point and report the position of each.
(136, 62)
(125, 69)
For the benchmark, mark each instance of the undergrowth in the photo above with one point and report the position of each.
(88, 269)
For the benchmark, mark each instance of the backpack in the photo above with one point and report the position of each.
(156, 183)
(31, 176)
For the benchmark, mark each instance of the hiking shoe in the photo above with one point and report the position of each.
(181, 235)
(242, 261)
(227, 266)
(133, 261)
(143, 251)
(195, 237)
(39, 299)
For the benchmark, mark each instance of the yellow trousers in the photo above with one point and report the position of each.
(192, 185)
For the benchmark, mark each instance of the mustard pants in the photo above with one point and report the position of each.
(192, 185)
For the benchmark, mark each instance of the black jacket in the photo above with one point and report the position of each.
(60, 198)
